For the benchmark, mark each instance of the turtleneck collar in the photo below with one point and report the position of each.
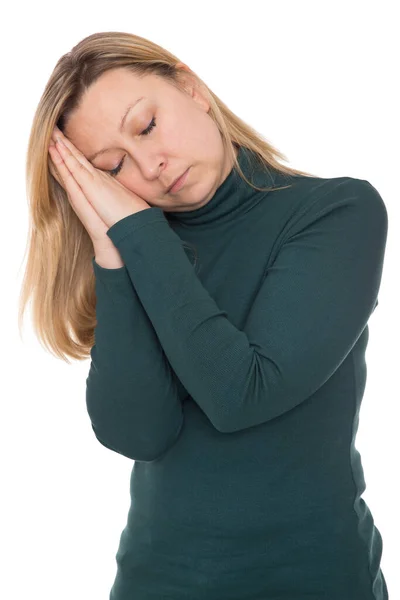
(233, 196)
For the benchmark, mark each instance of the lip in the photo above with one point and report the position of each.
(179, 183)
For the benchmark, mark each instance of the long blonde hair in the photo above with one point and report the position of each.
(59, 277)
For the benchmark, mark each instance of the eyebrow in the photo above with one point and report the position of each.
(120, 128)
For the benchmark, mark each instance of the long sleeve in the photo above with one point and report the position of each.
(311, 307)
(133, 397)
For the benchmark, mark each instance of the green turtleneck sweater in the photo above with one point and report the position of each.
(229, 365)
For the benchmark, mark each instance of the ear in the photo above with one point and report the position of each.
(192, 86)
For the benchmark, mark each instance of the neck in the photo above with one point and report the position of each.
(233, 196)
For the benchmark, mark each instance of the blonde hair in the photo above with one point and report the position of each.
(59, 277)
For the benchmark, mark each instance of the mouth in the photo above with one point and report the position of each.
(179, 183)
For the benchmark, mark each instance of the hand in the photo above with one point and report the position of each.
(88, 187)
(95, 226)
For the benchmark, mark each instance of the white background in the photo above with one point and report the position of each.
(318, 80)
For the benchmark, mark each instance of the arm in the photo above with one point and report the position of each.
(311, 308)
(133, 397)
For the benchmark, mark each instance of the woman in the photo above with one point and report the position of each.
(225, 314)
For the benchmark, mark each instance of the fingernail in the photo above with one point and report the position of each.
(59, 141)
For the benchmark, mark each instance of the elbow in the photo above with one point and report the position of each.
(225, 423)
(143, 449)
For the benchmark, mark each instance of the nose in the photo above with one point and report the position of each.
(149, 167)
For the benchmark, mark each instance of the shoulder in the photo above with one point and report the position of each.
(337, 199)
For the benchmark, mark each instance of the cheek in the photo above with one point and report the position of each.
(133, 182)
(176, 127)
(187, 130)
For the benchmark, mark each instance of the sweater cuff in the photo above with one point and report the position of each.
(116, 281)
(135, 221)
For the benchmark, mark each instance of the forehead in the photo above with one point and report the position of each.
(112, 90)
(104, 103)
(122, 82)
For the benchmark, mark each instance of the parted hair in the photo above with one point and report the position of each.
(58, 278)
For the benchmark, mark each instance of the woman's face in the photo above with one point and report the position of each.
(165, 132)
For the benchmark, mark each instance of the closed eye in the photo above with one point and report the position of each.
(150, 127)
(114, 172)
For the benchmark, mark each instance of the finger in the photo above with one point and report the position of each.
(92, 222)
(56, 133)
(53, 164)
(76, 196)
(90, 219)
(77, 167)
(69, 150)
